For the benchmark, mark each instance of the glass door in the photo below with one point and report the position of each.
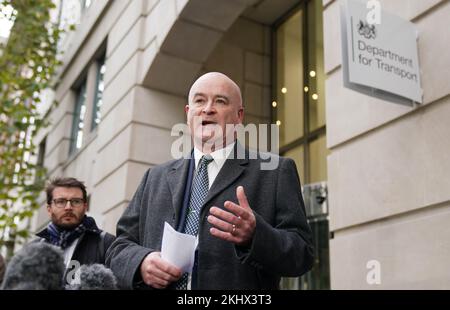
(298, 108)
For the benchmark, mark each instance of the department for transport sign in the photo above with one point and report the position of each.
(379, 53)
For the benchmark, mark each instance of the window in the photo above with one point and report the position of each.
(98, 95)
(318, 159)
(289, 103)
(298, 108)
(76, 140)
(88, 101)
(85, 4)
(41, 152)
(88, 201)
(297, 154)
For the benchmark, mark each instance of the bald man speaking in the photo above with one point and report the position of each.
(250, 223)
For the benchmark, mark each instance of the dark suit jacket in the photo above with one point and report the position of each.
(90, 249)
(281, 245)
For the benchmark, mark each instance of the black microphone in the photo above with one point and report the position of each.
(93, 277)
(37, 266)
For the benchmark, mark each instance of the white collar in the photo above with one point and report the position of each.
(219, 156)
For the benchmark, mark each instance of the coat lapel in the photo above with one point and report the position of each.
(177, 182)
(230, 171)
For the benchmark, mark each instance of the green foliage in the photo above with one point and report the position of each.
(27, 64)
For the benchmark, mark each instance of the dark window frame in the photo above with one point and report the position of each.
(99, 77)
(79, 101)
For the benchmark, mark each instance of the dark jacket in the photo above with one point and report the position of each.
(281, 246)
(91, 247)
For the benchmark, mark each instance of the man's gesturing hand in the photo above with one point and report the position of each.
(158, 273)
(238, 225)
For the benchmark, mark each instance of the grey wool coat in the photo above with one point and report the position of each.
(281, 245)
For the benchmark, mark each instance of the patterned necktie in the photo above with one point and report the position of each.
(200, 187)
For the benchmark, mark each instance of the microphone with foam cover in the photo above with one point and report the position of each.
(94, 277)
(37, 266)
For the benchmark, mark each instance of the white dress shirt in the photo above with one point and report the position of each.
(68, 252)
(219, 158)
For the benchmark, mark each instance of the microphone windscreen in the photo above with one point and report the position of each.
(37, 266)
(94, 277)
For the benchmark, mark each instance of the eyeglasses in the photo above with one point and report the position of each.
(62, 202)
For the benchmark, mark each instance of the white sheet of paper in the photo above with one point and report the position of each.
(178, 248)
